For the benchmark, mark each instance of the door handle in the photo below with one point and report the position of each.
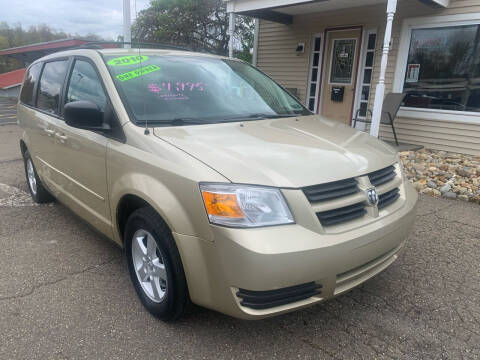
(61, 137)
(49, 132)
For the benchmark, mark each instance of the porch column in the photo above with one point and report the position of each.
(255, 42)
(380, 88)
(231, 31)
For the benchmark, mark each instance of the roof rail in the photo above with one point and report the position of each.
(98, 45)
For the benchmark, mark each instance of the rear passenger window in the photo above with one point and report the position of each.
(51, 84)
(84, 84)
(31, 79)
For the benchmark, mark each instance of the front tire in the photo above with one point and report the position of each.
(155, 266)
(39, 194)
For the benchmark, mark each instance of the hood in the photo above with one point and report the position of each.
(286, 152)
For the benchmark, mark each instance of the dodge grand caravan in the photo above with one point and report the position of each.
(223, 189)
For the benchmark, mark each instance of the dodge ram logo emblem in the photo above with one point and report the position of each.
(372, 196)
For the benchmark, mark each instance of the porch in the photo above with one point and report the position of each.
(341, 57)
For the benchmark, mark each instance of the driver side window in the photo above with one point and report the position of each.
(85, 85)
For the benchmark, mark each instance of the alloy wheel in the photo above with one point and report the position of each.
(32, 180)
(149, 265)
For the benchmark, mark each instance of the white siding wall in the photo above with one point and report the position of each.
(277, 57)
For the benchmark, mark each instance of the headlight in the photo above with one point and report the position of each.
(245, 205)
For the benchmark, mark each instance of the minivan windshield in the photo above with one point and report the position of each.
(183, 90)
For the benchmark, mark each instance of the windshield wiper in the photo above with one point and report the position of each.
(297, 111)
(261, 116)
(180, 122)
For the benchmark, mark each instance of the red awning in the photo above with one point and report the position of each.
(11, 78)
(29, 53)
(56, 45)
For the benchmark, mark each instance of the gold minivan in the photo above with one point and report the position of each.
(223, 189)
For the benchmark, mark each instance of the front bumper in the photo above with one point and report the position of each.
(266, 259)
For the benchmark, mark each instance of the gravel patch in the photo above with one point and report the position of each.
(443, 174)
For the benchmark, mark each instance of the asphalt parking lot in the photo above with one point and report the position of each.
(65, 294)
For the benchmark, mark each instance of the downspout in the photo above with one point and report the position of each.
(255, 42)
(231, 31)
(380, 88)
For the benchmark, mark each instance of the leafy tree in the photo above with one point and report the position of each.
(200, 25)
(246, 36)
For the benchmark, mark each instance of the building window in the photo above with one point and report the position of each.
(443, 69)
(312, 90)
(342, 61)
(366, 75)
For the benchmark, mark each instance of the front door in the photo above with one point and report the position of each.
(81, 153)
(339, 74)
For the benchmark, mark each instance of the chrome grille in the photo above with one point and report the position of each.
(340, 215)
(340, 202)
(382, 176)
(388, 198)
(331, 190)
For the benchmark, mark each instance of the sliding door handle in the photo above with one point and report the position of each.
(61, 137)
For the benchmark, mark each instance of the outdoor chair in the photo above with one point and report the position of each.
(391, 104)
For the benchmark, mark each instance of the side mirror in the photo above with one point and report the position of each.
(84, 115)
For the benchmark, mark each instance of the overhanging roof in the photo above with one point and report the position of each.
(282, 11)
(436, 3)
(12, 78)
(249, 5)
(30, 53)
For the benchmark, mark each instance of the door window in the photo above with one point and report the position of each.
(85, 85)
(341, 71)
(31, 79)
(51, 83)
